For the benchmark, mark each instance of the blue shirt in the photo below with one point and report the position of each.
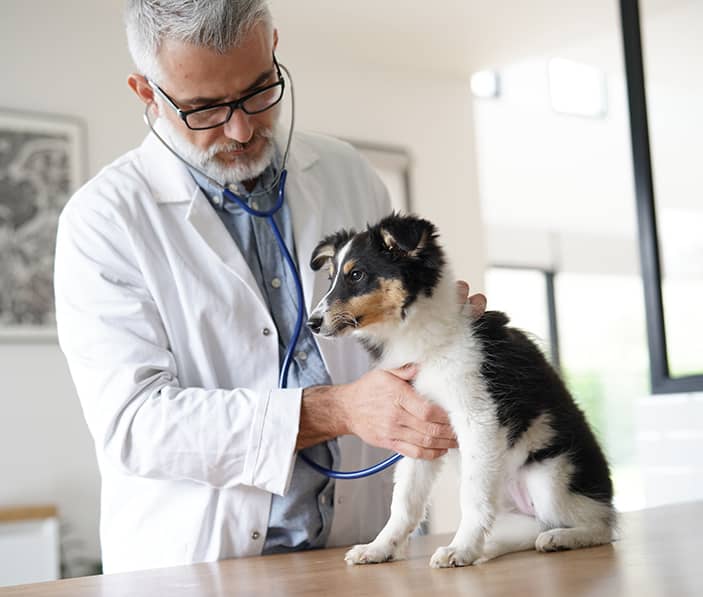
(301, 519)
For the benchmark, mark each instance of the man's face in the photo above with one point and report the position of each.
(195, 77)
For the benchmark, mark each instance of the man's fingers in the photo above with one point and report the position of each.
(413, 451)
(478, 304)
(422, 409)
(406, 372)
(427, 429)
(462, 291)
(429, 439)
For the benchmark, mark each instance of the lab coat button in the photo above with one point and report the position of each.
(266, 331)
(276, 282)
(323, 499)
(255, 535)
(302, 355)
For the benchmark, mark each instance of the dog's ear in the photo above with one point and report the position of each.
(328, 247)
(406, 235)
(322, 254)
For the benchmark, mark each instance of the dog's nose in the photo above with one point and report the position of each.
(315, 323)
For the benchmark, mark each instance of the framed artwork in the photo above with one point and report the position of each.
(393, 165)
(41, 164)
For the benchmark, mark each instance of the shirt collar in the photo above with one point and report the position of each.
(259, 194)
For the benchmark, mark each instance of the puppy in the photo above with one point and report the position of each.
(532, 474)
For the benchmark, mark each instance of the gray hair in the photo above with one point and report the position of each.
(215, 24)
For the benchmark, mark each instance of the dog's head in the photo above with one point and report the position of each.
(376, 275)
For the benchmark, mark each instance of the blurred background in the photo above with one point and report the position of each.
(504, 122)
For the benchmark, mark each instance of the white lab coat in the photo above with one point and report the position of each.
(163, 327)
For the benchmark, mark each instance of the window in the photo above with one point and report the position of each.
(598, 337)
(671, 245)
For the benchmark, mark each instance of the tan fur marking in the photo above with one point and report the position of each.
(388, 238)
(349, 266)
(383, 304)
(324, 253)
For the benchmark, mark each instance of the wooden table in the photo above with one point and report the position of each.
(660, 553)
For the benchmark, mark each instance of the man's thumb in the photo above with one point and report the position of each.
(406, 372)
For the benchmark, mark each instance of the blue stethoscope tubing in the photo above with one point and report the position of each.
(288, 358)
(288, 258)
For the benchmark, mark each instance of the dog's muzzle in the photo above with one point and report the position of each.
(315, 323)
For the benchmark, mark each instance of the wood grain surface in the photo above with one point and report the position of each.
(22, 513)
(659, 553)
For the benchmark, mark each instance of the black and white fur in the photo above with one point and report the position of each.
(531, 472)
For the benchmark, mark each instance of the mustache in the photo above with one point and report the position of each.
(232, 145)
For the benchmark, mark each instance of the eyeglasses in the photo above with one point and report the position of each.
(209, 117)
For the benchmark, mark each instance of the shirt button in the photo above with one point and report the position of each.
(255, 205)
(255, 535)
(266, 331)
(323, 499)
(302, 355)
(276, 282)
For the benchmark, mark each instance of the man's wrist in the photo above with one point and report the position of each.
(322, 415)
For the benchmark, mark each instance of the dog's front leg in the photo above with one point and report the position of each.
(413, 483)
(480, 473)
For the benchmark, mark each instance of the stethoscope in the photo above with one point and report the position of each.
(268, 214)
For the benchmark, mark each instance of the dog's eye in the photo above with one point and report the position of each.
(356, 275)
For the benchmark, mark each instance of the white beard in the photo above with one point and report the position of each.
(243, 169)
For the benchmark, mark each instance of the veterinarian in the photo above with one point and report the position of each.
(174, 309)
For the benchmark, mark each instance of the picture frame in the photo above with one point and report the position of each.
(42, 163)
(393, 164)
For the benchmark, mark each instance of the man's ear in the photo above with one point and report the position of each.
(141, 88)
(328, 247)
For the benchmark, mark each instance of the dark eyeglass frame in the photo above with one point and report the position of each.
(237, 104)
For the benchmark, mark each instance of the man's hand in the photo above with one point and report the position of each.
(381, 408)
(384, 410)
(477, 302)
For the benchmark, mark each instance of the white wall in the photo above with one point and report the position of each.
(65, 58)
(70, 58)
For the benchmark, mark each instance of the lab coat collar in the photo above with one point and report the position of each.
(171, 182)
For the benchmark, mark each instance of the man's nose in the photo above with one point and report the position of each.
(315, 323)
(239, 127)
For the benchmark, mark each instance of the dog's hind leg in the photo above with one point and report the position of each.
(561, 539)
(569, 520)
(413, 483)
(510, 532)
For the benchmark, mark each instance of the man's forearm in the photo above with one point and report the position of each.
(321, 416)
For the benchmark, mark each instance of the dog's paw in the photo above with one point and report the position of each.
(554, 540)
(486, 557)
(371, 554)
(451, 557)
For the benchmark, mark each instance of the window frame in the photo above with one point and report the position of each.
(662, 382)
(552, 318)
